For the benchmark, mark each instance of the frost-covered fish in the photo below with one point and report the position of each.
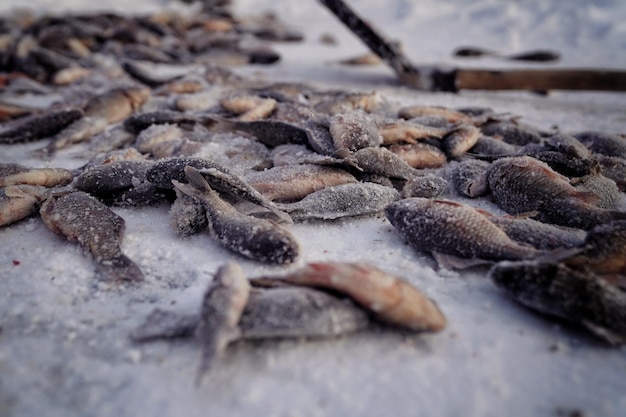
(382, 161)
(113, 176)
(490, 146)
(19, 201)
(354, 130)
(604, 250)
(605, 189)
(419, 155)
(101, 111)
(401, 131)
(460, 140)
(13, 174)
(470, 177)
(269, 132)
(451, 116)
(254, 238)
(224, 180)
(275, 312)
(524, 184)
(452, 228)
(537, 234)
(222, 307)
(83, 219)
(294, 182)
(293, 311)
(249, 107)
(426, 186)
(568, 293)
(354, 199)
(187, 215)
(388, 298)
(603, 143)
(39, 126)
(513, 133)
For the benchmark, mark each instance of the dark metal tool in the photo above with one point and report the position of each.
(434, 78)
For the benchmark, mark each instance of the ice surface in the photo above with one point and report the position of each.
(64, 337)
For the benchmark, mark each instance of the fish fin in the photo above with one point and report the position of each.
(212, 350)
(609, 336)
(451, 262)
(587, 197)
(162, 324)
(560, 255)
(196, 179)
(526, 215)
(120, 269)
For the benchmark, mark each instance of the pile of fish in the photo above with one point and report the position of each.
(143, 101)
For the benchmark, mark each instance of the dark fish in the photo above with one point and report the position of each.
(39, 126)
(187, 215)
(293, 311)
(221, 310)
(114, 176)
(269, 132)
(605, 189)
(383, 162)
(524, 184)
(83, 219)
(470, 177)
(426, 186)
(512, 133)
(138, 122)
(571, 294)
(603, 143)
(254, 238)
(568, 165)
(604, 250)
(490, 146)
(537, 234)
(613, 168)
(225, 181)
(533, 56)
(455, 229)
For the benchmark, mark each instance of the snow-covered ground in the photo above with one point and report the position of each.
(64, 346)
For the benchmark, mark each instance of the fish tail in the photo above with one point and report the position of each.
(120, 269)
(196, 179)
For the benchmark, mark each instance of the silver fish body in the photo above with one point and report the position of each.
(426, 186)
(524, 184)
(222, 307)
(346, 200)
(354, 130)
(453, 228)
(254, 238)
(292, 311)
(83, 219)
(571, 294)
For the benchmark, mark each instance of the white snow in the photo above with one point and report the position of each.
(64, 346)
